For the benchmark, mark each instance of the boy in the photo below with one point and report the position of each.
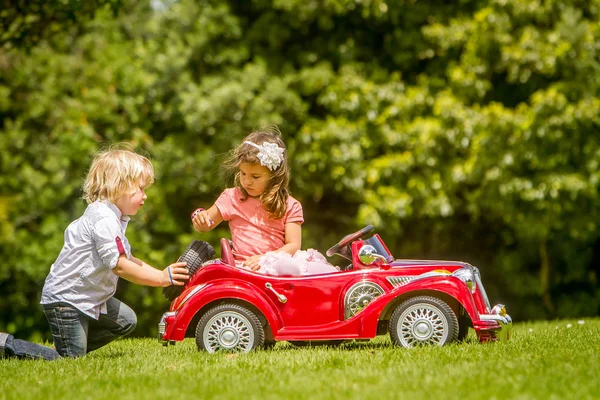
(77, 297)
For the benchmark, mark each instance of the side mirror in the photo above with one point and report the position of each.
(368, 255)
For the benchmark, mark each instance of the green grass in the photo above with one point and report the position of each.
(544, 360)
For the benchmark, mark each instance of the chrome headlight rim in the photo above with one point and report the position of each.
(467, 275)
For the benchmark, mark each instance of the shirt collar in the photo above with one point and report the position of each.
(115, 209)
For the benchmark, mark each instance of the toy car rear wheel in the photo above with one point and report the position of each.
(195, 254)
(229, 327)
(423, 320)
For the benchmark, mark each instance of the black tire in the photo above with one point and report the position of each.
(229, 327)
(195, 254)
(316, 343)
(423, 320)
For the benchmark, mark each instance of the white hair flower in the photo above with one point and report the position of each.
(269, 154)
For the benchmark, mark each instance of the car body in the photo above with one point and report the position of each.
(416, 301)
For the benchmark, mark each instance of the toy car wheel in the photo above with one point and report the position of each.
(195, 254)
(229, 327)
(423, 320)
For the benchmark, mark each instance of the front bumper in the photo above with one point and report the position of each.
(496, 326)
(162, 327)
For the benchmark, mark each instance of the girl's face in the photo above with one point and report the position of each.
(254, 178)
(130, 204)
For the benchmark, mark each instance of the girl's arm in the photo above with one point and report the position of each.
(137, 271)
(293, 242)
(293, 238)
(207, 220)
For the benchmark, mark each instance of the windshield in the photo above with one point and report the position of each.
(380, 247)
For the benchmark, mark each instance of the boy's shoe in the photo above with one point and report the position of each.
(3, 338)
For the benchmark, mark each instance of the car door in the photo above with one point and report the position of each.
(309, 300)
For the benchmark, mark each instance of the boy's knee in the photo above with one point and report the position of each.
(125, 320)
(131, 326)
(128, 324)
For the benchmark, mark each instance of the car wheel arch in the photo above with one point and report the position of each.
(266, 323)
(423, 320)
(453, 302)
(229, 326)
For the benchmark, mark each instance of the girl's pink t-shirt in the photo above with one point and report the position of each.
(253, 231)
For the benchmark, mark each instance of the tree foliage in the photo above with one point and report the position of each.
(24, 23)
(465, 131)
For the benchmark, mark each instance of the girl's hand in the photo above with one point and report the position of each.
(175, 274)
(252, 262)
(201, 219)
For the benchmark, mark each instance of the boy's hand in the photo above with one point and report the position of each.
(175, 274)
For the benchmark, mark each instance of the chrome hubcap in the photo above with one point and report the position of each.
(228, 337)
(422, 324)
(423, 329)
(228, 330)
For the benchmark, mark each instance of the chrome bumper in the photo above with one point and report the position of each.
(162, 327)
(499, 315)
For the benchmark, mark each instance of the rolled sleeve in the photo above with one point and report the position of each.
(109, 240)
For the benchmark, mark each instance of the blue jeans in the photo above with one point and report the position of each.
(11, 347)
(75, 334)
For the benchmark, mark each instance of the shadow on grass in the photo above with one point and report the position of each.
(347, 345)
(355, 344)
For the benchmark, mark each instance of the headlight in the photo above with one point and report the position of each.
(467, 276)
(499, 309)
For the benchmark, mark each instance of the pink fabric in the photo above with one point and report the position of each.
(253, 231)
(303, 262)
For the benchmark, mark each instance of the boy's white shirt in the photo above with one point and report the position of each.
(82, 274)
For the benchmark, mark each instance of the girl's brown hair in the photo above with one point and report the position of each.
(275, 196)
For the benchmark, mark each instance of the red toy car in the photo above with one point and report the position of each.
(417, 301)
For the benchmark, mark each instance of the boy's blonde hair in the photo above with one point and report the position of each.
(116, 172)
(274, 198)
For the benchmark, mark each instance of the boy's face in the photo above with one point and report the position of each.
(130, 203)
(254, 178)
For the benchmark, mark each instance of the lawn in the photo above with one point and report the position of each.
(543, 360)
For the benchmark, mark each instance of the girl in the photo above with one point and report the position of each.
(265, 221)
(77, 297)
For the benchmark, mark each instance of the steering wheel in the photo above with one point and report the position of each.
(348, 239)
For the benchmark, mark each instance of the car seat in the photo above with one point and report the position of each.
(226, 253)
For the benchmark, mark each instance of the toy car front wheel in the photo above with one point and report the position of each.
(423, 320)
(229, 327)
